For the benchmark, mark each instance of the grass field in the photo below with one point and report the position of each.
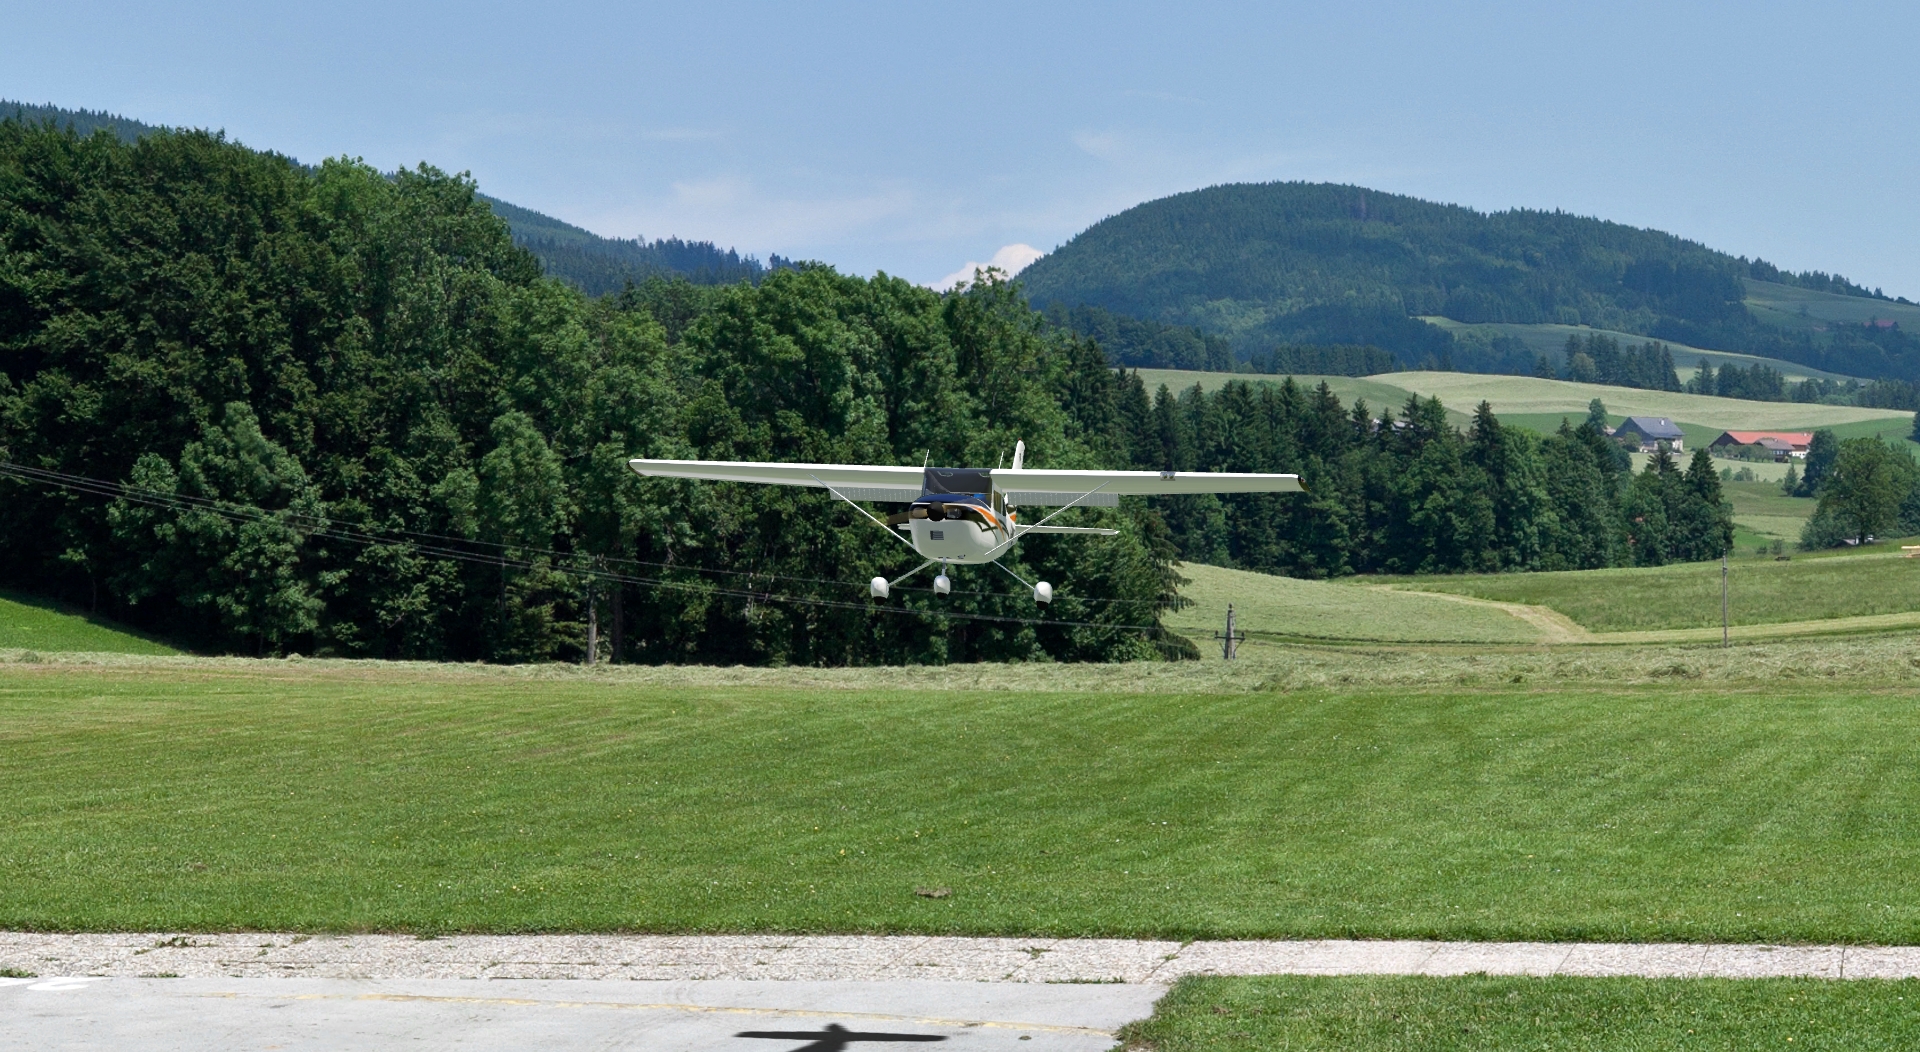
(1764, 510)
(1540, 405)
(1687, 595)
(1418, 1014)
(1551, 340)
(1283, 608)
(27, 623)
(1529, 395)
(1377, 392)
(1783, 305)
(1650, 794)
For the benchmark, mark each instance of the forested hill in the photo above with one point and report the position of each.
(597, 265)
(261, 408)
(1289, 263)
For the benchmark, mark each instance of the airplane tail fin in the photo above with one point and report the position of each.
(1019, 454)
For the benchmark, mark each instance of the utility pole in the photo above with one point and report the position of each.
(593, 626)
(1230, 643)
(1724, 641)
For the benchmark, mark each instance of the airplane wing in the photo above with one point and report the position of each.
(1028, 486)
(856, 481)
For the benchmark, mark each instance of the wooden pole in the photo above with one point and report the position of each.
(593, 626)
(1228, 649)
(1724, 641)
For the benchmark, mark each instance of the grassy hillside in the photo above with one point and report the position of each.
(1476, 797)
(1274, 608)
(1849, 584)
(1539, 404)
(1551, 340)
(36, 625)
(1530, 395)
(1790, 307)
(1375, 390)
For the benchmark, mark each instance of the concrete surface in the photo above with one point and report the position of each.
(894, 958)
(161, 992)
(330, 1015)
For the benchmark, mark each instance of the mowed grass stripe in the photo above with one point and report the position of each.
(1399, 1013)
(1687, 595)
(165, 800)
(1331, 610)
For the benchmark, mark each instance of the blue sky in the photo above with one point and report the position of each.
(914, 138)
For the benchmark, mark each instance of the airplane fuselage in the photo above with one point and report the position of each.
(958, 528)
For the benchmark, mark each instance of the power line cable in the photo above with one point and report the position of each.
(247, 513)
(392, 535)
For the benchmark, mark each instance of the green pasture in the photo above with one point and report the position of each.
(1530, 395)
(1540, 404)
(1758, 794)
(1797, 308)
(1425, 1014)
(1763, 509)
(1284, 608)
(1849, 583)
(1378, 393)
(27, 623)
(1551, 340)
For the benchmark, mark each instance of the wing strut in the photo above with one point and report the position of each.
(876, 522)
(1064, 507)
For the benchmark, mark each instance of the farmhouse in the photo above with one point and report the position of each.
(1651, 432)
(1778, 444)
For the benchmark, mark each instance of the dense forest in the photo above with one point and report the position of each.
(1407, 492)
(597, 265)
(1293, 263)
(262, 408)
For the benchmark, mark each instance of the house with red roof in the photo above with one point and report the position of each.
(1780, 445)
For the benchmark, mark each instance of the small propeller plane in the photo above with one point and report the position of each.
(966, 516)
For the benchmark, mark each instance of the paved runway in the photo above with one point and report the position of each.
(794, 958)
(330, 1015)
(165, 992)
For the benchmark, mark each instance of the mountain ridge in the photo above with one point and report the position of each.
(596, 265)
(1266, 264)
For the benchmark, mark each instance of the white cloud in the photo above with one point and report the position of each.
(1012, 259)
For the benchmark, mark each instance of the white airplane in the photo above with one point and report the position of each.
(965, 515)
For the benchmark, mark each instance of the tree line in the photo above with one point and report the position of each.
(263, 408)
(1410, 492)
